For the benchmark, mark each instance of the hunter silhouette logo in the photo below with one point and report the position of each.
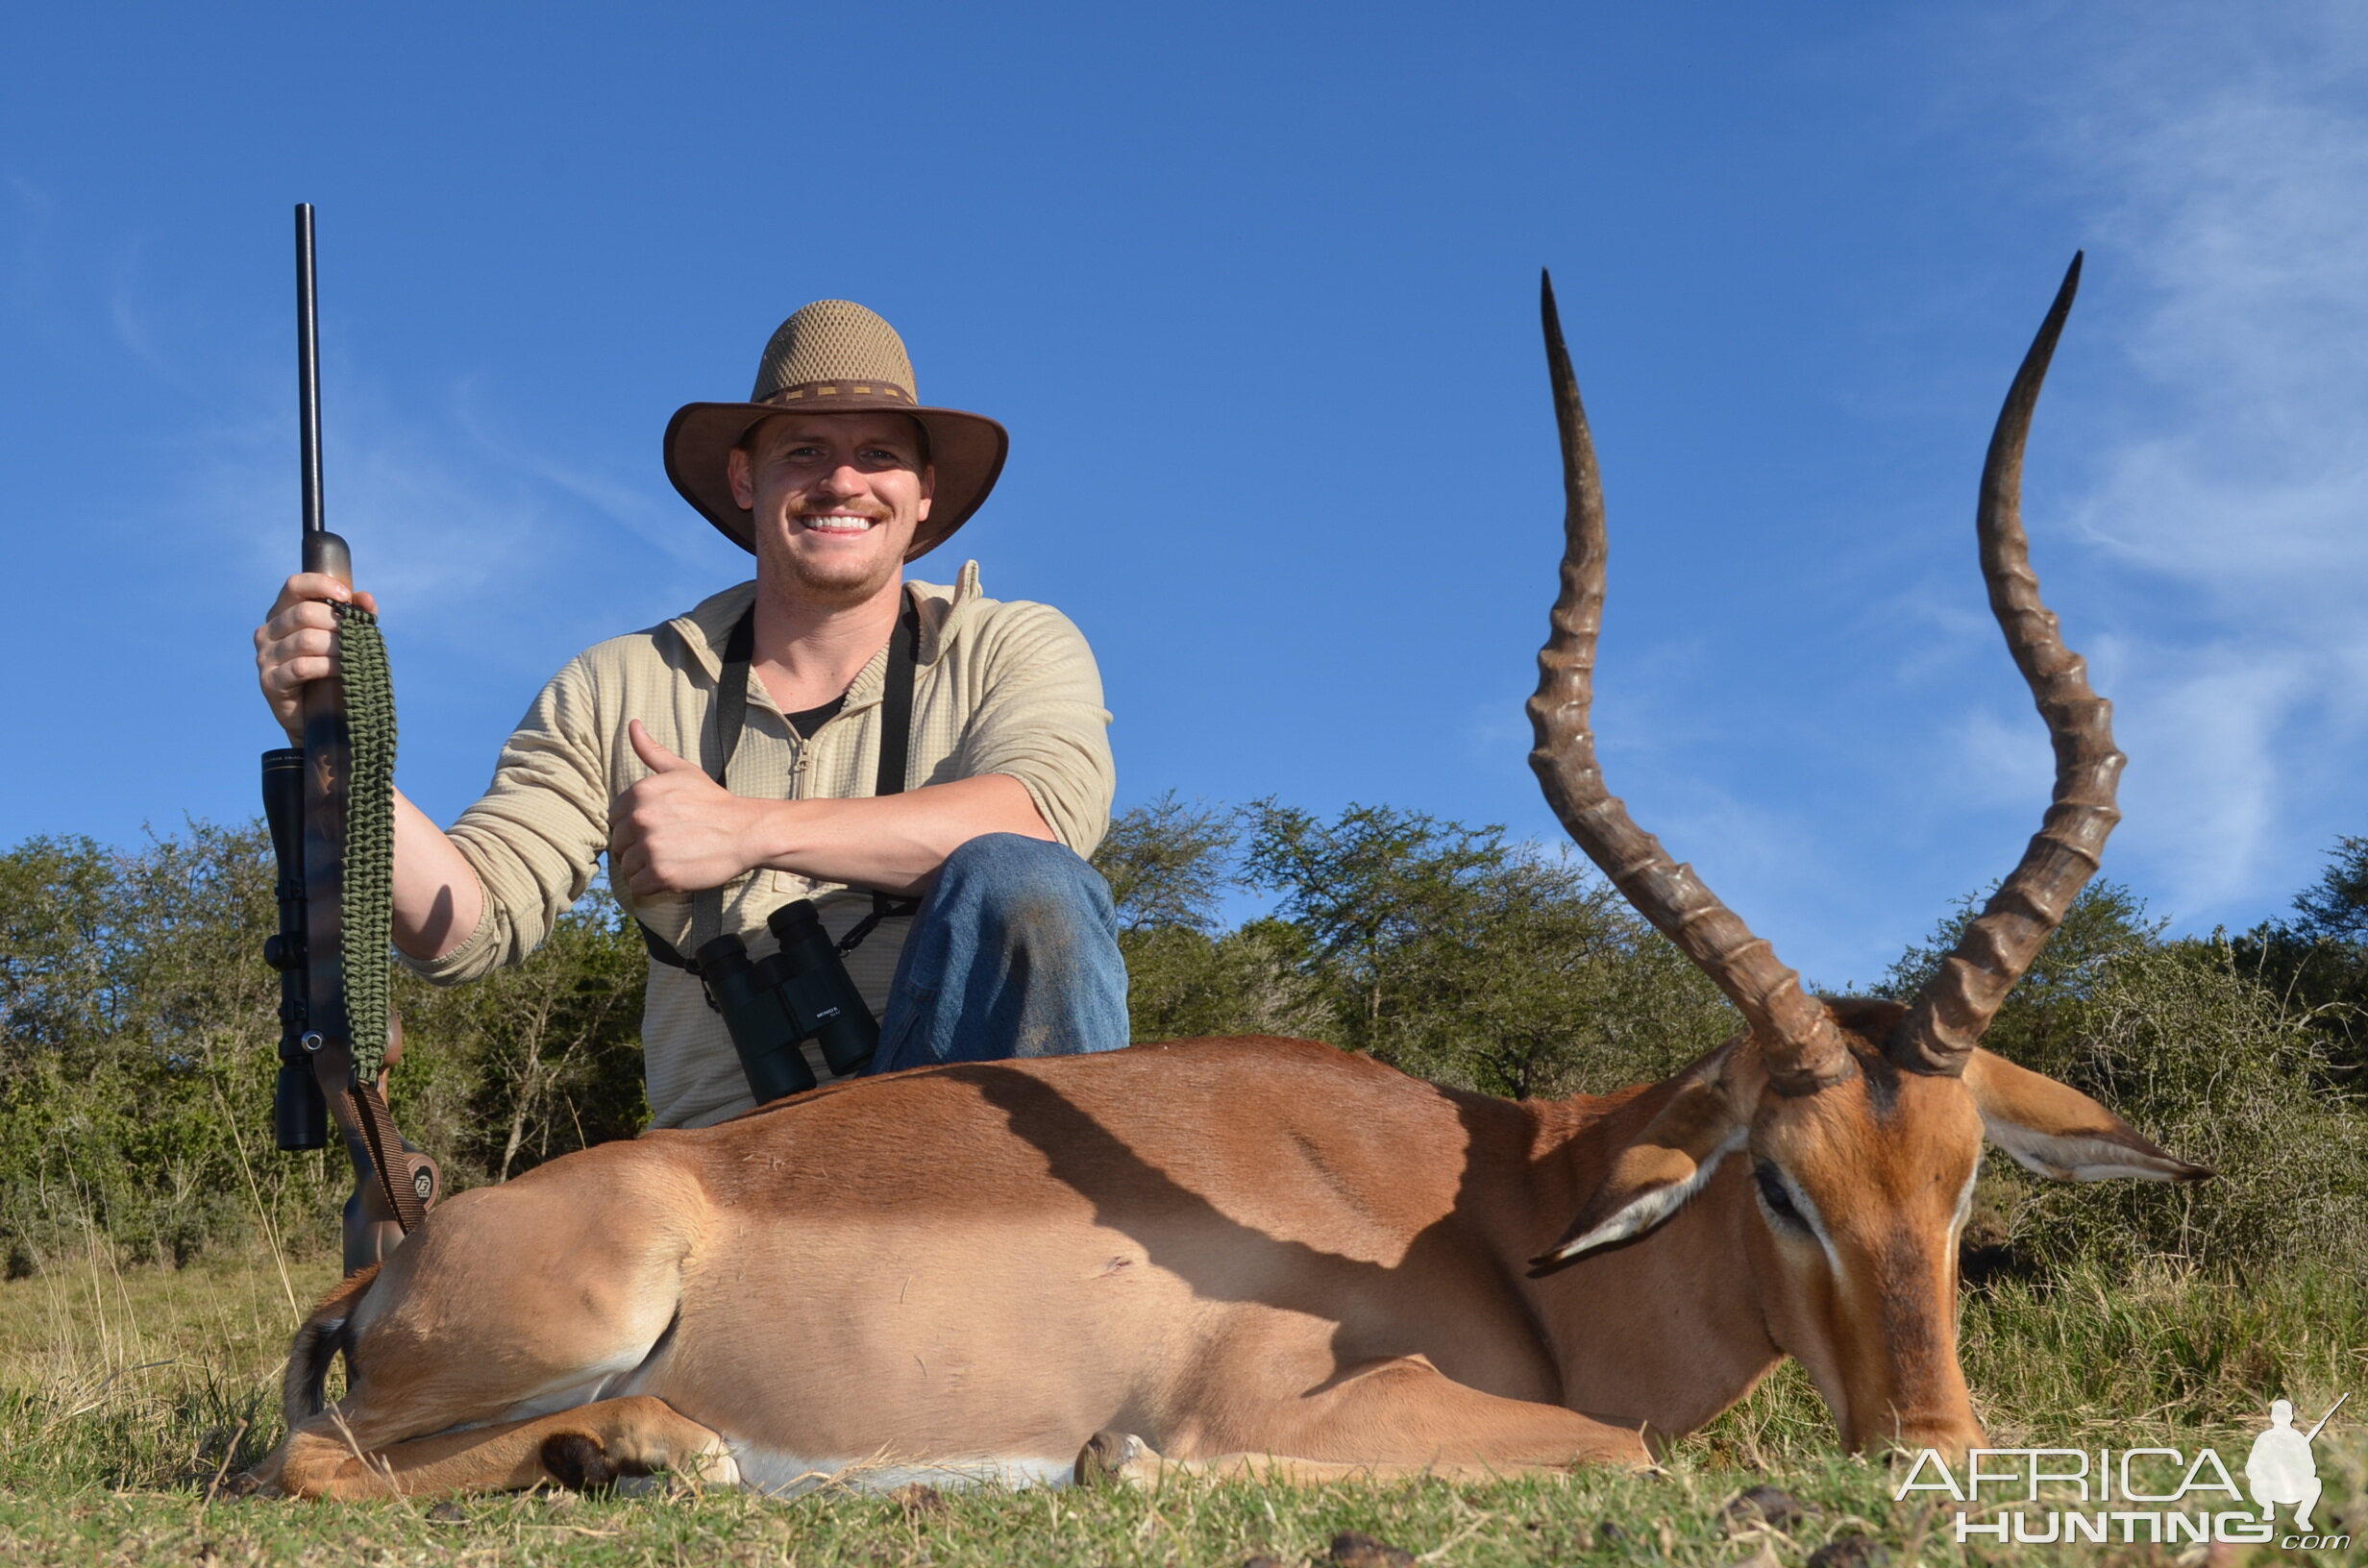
(2281, 1470)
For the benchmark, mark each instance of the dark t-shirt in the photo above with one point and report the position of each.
(805, 723)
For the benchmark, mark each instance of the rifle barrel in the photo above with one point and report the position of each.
(307, 370)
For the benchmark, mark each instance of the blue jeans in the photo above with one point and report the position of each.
(1013, 952)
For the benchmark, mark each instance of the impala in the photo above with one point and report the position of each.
(1219, 1254)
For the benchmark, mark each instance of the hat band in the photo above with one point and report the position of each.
(824, 391)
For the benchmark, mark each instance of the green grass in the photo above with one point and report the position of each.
(124, 1393)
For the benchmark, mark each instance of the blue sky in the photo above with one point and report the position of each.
(1254, 288)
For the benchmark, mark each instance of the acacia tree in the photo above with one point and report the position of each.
(1435, 945)
(2335, 907)
(1168, 866)
(1369, 890)
(1458, 956)
(138, 1033)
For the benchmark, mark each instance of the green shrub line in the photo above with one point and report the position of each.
(137, 1029)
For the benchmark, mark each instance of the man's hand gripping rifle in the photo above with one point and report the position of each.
(329, 803)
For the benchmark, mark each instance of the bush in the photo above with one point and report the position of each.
(2183, 1040)
(139, 1047)
(2182, 1044)
(2317, 961)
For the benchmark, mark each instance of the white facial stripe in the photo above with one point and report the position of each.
(1808, 1212)
(1642, 1213)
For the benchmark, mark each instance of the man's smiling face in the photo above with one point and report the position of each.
(836, 498)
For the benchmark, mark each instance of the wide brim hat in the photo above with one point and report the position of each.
(835, 356)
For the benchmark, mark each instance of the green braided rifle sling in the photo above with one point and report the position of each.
(368, 905)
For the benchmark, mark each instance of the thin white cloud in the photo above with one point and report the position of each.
(2246, 212)
(135, 334)
(1991, 761)
(429, 532)
(449, 528)
(2207, 791)
(660, 520)
(2223, 154)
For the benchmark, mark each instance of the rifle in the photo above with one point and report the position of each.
(310, 800)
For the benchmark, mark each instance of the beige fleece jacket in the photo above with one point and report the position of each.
(999, 688)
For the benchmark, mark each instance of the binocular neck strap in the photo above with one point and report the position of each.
(732, 713)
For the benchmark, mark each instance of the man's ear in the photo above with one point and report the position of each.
(736, 474)
(2059, 1131)
(1667, 1162)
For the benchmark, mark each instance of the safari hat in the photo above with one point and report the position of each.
(835, 356)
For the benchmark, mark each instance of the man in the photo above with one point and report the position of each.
(834, 475)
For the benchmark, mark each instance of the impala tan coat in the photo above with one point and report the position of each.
(1225, 1248)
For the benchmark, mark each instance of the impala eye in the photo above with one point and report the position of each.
(1778, 1197)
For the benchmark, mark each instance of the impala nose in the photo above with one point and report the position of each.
(1951, 1436)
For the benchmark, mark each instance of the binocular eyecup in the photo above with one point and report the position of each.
(772, 1006)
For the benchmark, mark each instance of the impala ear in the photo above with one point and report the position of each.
(2058, 1130)
(1653, 1175)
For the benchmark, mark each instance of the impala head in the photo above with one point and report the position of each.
(1857, 1124)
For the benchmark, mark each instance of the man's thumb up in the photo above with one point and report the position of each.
(675, 830)
(653, 756)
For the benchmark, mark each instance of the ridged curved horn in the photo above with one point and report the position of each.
(1797, 1037)
(1940, 1032)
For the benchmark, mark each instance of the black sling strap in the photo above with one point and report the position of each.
(896, 739)
(731, 689)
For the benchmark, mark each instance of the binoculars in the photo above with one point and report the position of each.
(773, 1006)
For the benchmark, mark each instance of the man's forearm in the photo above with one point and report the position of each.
(438, 899)
(894, 844)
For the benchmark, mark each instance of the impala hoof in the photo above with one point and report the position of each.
(1117, 1458)
(578, 1461)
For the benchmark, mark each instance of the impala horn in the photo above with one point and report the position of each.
(1956, 1004)
(1798, 1040)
